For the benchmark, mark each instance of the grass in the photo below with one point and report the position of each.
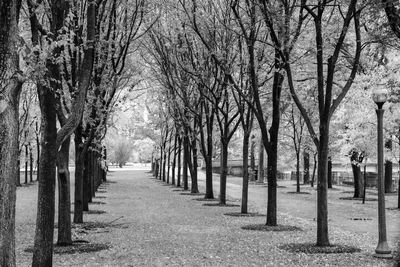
(145, 223)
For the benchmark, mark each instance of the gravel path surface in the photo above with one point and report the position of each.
(154, 224)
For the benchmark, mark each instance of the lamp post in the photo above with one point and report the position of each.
(382, 250)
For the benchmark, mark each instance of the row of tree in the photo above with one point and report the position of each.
(75, 54)
(222, 64)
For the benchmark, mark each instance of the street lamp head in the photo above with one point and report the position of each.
(380, 95)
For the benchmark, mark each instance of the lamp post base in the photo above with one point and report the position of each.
(383, 256)
(383, 251)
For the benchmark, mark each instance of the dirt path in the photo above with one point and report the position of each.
(159, 225)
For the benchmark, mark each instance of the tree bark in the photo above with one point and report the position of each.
(30, 164)
(388, 169)
(209, 178)
(161, 161)
(298, 171)
(224, 172)
(169, 163)
(78, 195)
(26, 164)
(185, 162)
(306, 166)
(245, 186)
(388, 176)
(164, 167)
(322, 187)
(330, 172)
(194, 167)
(206, 146)
(43, 247)
(252, 159)
(18, 178)
(260, 173)
(357, 177)
(178, 181)
(11, 85)
(86, 182)
(174, 159)
(93, 173)
(356, 158)
(314, 168)
(272, 145)
(64, 199)
(37, 150)
(272, 186)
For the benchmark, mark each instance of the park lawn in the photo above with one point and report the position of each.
(148, 223)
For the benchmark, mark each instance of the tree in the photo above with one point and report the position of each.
(393, 15)
(296, 123)
(277, 16)
(328, 101)
(121, 151)
(119, 24)
(11, 81)
(356, 159)
(53, 139)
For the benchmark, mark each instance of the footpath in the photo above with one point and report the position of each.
(147, 222)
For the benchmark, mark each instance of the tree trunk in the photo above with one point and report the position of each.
(260, 174)
(224, 172)
(9, 123)
(78, 195)
(272, 161)
(245, 186)
(174, 159)
(164, 167)
(178, 182)
(161, 162)
(30, 165)
(208, 162)
(356, 159)
(365, 182)
(330, 172)
(18, 179)
(194, 186)
(43, 248)
(306, 178)
(314, 168)
(322, 187)
(168, 164)
(152, 164)
(156, 169)
(388, 176)
(86, 182)
(92, 175)
(388, 169)
(64, 199)
(357, 177)
(37, 151)
(9, 173)
(185, 162)
(252, 159)
(298, 171)
(26, 163)
(209, 178)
